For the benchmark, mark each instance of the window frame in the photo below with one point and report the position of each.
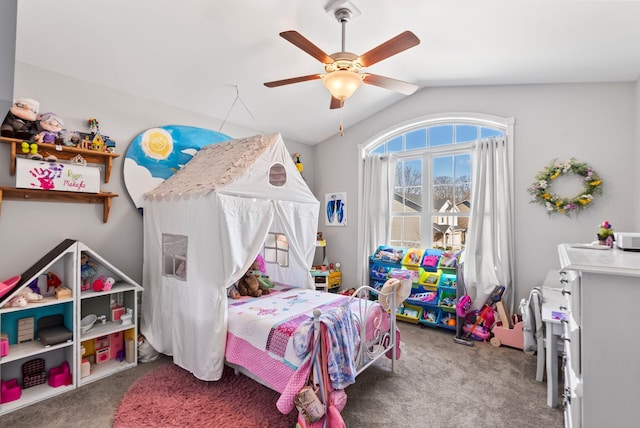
(506, 124)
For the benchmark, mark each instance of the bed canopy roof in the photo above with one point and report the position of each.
(203, 228)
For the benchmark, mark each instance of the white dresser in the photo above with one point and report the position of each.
(602, 356)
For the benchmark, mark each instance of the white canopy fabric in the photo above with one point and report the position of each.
(223, 204)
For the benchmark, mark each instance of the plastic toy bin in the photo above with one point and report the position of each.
(447, 320)
(430, 316)
(413, 258)
(379, 270)
(422, 298)
(447, 299)
(430, 260)
(449, 261)
(388, 255)
(409, 313)
(429, 280)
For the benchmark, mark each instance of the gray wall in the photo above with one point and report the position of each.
(28, 229)
(8, 13)
(595, 123)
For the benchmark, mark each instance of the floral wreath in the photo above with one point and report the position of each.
(541, 189)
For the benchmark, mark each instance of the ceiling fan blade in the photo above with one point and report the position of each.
(300, 41)
(335, 103)
(298, 79)
(405, 88)
(399, 43)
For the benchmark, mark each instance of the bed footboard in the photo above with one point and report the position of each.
(377, 328)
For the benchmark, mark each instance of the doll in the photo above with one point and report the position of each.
(50, 127)
(20, 120)
(87, 271)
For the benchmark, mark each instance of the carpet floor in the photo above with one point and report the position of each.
(171, 397)
(436, 384)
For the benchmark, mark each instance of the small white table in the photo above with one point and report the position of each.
(553, 312)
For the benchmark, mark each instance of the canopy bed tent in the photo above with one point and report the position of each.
(203, 228)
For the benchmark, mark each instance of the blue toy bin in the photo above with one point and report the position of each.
(443, 319)
(430, 316)
(390, 256)
(430, 260)
(423, 298)
(380, 270)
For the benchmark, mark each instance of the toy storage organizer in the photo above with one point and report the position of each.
(29, 370)
(433, 274)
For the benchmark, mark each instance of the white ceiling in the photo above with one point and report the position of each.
(194, 53)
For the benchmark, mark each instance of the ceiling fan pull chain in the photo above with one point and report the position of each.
(341, 128)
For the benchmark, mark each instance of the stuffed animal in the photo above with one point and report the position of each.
(249, 284)
(103, 283)
(50, 127)
(30, 296)
(20, 120)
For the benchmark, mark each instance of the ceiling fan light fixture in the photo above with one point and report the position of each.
(342, 83)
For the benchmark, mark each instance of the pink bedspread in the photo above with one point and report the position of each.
(260, 331)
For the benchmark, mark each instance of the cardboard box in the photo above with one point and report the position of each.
(32, 174)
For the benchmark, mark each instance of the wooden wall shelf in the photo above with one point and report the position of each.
(64, 152)
(60, 196)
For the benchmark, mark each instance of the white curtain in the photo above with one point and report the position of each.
(488, 259)
(377, 191)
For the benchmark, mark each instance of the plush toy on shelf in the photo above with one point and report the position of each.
(50, 129)
(103, 283)
(20, 121)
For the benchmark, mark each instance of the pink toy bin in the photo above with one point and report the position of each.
(59, 376)
(4, 347)
(9, 391)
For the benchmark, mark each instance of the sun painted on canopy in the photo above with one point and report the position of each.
(157, 153)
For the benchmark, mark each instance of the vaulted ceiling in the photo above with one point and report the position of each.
(196, 54)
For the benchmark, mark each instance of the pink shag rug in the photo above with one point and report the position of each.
(170, 396)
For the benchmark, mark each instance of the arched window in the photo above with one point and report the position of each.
(433, 179)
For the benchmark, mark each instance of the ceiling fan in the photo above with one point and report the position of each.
(344, 69)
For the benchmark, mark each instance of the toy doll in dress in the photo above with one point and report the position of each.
(87, 271)
(50, 126)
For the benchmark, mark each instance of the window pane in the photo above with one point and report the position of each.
(449, 232)
(416, 139)
(466, 133)
(462, 166)
(395, 145)
(443, 170)
(440, 135)
(380, 150)
(487, 132)
(405, 231)
(442, 197)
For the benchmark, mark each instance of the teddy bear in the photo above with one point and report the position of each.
(249, 285)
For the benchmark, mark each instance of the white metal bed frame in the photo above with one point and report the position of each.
(369, 351)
